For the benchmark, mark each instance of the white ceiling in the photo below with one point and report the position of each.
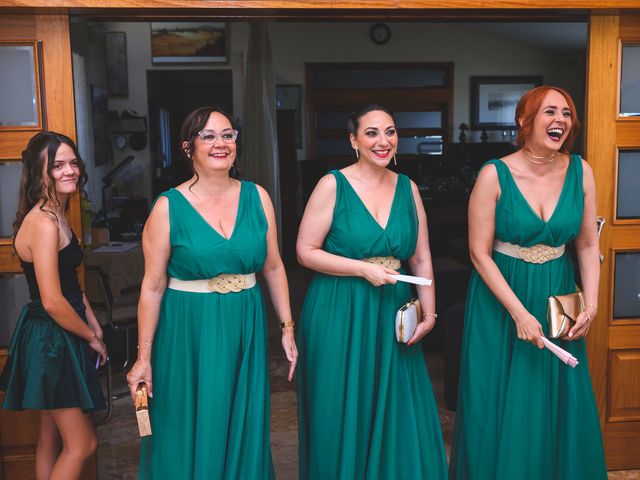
(553, 36)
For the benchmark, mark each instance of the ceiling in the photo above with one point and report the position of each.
(552, 36)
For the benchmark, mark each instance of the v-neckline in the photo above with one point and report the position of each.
(235, 223)
(364, 205)
(560, 197)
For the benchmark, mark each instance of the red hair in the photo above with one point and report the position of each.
(528, 107)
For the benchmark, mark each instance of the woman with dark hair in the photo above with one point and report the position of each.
(365, 405)
(201, 316)
(49, 367)
(521, 412)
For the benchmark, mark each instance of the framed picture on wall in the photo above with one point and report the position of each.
(193, 42)
(99, 115)
(116, 55)
(494, 100)
(289, 97)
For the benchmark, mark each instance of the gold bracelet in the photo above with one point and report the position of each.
(595, 307)
(145, 344)
(434, 315)
(288, 323)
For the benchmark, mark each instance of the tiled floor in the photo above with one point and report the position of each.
(118, 452)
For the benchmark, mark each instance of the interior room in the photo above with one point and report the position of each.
(453, 87)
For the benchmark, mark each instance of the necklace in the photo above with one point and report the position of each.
(214, 194)
(539, 160)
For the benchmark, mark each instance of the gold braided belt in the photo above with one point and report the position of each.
(390, 262)
(539, 253)
(223, 283)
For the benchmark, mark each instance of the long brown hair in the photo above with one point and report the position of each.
(43, 147)
(528, 107)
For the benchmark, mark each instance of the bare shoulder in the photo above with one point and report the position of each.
(265, 198)
(161, 205)
(327, 185)
(488, 175)
(38, 229)
(414, 188)
(41, 222)
(586, 168)
(264, 195)
(588, 179)
(160, 211)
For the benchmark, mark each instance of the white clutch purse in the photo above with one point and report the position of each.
(407, 318)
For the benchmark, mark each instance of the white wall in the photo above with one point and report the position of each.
(473, 52)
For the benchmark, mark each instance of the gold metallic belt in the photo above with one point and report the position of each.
(223, 283)
(539, 253)
(389, 262)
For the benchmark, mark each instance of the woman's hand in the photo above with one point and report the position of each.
(97, 329)
(290, 350)
(378, 275)
(424, 327)
(529, 329)
(140, 373)
(98, 346)
(581, 327)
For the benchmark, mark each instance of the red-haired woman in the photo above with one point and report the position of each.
(521, 412)
(49, 366)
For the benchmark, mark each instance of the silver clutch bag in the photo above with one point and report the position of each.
(407, 318)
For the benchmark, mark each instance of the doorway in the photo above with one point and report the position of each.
(172, 94)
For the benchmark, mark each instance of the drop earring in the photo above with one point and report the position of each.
(357, 153)
(394, 159)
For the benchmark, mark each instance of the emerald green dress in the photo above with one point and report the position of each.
(365, 405)
(522, 413)
(210, 406)
(49, 367)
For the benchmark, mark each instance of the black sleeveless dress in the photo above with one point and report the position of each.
(49, 367)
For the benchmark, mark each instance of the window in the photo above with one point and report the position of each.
(418, 93)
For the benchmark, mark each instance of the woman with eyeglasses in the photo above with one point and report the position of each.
(202, 348)
(365, 405)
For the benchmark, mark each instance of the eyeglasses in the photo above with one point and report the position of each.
(209, 137)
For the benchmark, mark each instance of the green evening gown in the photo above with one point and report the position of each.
(522, 413)
(210, 406)
(365, 405)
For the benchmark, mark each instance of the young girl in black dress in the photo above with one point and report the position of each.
(50, 367)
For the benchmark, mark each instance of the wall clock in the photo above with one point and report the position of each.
(380, 33)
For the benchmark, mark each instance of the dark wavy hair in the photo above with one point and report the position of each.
(192, 125)
(528, 107)
(42, 148)
(354, 118)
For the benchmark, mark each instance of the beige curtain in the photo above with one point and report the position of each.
(259, 160)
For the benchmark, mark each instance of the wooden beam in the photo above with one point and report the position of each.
(601, 128)
(390, 5)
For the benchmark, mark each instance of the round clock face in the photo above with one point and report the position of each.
(380, 33)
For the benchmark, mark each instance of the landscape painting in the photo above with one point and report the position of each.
(173, 42)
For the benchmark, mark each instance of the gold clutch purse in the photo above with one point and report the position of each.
(142, 410)
(562, 312)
